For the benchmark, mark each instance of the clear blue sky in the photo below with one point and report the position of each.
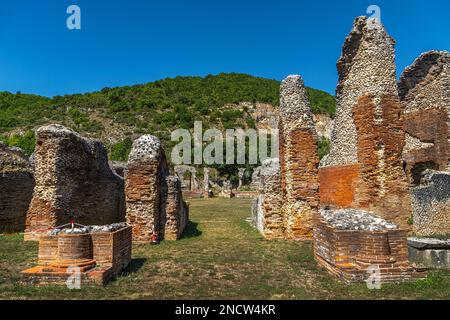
(136, 41)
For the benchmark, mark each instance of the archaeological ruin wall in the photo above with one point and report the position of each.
(299, 160)
(424, 90)
(100, 253)
(267, 215)
(154, 204)
(364, 167)
(16, 188)
(289, 187)
(73, 182)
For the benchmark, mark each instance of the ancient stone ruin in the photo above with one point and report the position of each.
(363, 169)
(267, 216)
(154, 203)
(355, 245)
(96, 254)
(16, 188)
(363, 231)
(73, 182)
(424, 90)
(189, 181)
(289, 195)
(298, 159)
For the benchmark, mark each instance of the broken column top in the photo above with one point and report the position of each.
(426, 83)
(146, 148)
(294, 103)
(366, 67)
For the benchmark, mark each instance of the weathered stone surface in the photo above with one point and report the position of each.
(431, 204)
(175, 212)
(351, 219)
(429, 253)
(155, 207)
(424, 90)
(73, 182)
(16, 188)
(368, 136)
(366, 67)
(267, 215)
(429, 243)
(298, 159)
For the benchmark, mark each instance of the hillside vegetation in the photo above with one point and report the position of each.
(118, 115)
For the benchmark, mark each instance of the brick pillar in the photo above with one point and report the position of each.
(299, 159)
(147, 169)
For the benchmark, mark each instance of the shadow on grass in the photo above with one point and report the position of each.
(191, 231)
(134, 266)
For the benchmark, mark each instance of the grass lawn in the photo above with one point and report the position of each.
(220, 257)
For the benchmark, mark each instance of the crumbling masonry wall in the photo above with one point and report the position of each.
(267, 216)
(424, 90)
(16, 188)
(368, 137)
(155, 207)
(431, 204)
(298, 159)
(73, 182)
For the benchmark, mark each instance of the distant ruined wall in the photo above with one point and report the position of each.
(298, 159)
(154, 202)
(73, 181)
(16, 188)
(368, 131)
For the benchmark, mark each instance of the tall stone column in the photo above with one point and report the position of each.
(145, 178)
(155, 206)
(299, 159)
(364, 167)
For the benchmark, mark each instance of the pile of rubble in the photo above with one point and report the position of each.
(353, 219)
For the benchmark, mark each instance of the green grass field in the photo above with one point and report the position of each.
(220, 257)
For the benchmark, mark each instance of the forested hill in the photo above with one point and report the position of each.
(116, 115)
